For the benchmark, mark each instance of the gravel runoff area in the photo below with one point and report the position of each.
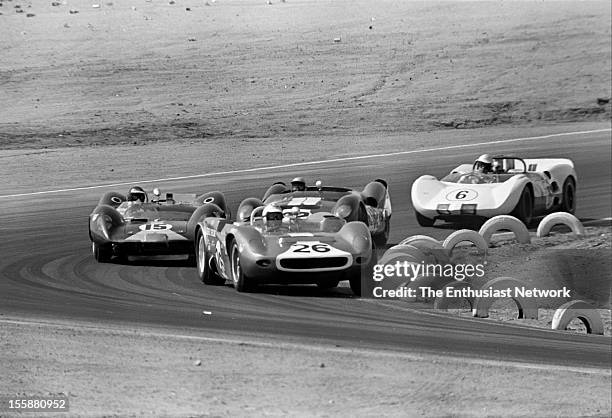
(156, 372)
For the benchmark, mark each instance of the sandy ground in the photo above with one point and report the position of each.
(127, 73)
(243, 83)
(155, 373)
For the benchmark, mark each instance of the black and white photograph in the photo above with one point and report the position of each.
(305, 208)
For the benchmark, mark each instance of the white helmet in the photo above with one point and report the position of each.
(298, 184)
(484, 163)
(485, 158)
(272, 217)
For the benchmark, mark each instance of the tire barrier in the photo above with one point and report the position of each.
(418, 254)
(442, 303)
(526, 306)
(433, 282)
(578, 309)
(560, 218)
(429, 245)
(392, 282)
(424, 241)
(465, 235)
(505, 222)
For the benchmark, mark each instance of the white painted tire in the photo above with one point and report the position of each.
(560, 218)
(527, 306)
(418, 254)
(424, 241)
(393, 281)
(505, 222)
(465, 235)
(581, 310)
(433, 282)
(442, 303)
(429, 245)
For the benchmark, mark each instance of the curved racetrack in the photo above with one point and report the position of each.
(47, 271)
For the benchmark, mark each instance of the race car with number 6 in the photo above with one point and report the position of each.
(497, 185)
(276, 246)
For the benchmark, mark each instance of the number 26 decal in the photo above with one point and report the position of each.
(306, 248)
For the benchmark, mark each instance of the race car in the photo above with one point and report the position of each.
(123, 225)
(497, 185)
(279, 246)
(371, 206)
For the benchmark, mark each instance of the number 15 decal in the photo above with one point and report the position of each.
(302, 247)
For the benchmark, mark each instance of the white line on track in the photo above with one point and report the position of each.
(66, 325)
(333, 160)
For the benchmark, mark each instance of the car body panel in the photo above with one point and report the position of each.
(159, 227)
(324, 199)
(306, 249)
(488, 195)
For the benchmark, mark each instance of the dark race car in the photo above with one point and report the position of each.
(276, 246)
(371, 206)
(136, 225)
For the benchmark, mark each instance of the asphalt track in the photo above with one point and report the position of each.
(47, 271)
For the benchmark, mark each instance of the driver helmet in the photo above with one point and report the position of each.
(272, 217)
(137, 193)
(484, 164)
(298, 184)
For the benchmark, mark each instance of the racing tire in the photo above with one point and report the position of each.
(560, 218)
(505, 222)
(362, 283)
(424, 221)
(205, 273)
(241, 282)
(102, 253)
(568, 204)
(381, 238)
(112, 199)
(524, 208)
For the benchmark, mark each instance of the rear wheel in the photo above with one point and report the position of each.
(424, 221)
(568, 204)
(205, 273)
(524, 208)
(102, 253)
(241, 282)
(381, 238)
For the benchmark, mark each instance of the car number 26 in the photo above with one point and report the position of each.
(305, 247)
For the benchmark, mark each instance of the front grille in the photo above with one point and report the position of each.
(313, 263)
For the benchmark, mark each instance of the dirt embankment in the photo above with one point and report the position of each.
(232, 70)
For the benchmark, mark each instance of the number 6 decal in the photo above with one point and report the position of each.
(462, 195)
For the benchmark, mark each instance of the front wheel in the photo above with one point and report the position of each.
(524, 208)
(568, 204)
(363, 284)
(424, 221)
(102, 253)
(241, 282)
(205, 273)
